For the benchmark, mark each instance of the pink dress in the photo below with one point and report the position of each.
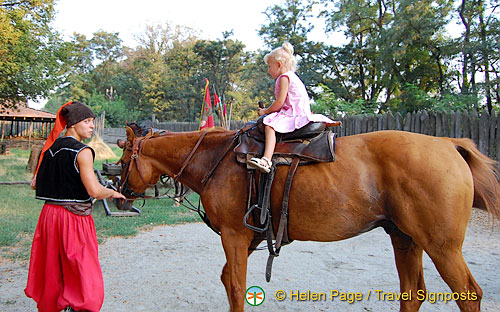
(296, 111)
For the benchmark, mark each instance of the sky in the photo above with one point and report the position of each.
(130, 17)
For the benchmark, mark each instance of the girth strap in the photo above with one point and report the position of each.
(283, 225)
(282, 233)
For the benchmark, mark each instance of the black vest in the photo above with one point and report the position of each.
(58, 177)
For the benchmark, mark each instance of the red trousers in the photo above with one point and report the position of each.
(64, 265)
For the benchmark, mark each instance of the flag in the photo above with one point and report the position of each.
(207, 117)
(216, 99)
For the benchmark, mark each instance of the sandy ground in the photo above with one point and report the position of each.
(177, 268)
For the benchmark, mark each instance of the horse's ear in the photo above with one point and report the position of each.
(130, 134)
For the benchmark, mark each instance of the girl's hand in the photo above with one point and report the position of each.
(262, 111)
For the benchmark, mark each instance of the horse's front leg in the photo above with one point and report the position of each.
(234, 273)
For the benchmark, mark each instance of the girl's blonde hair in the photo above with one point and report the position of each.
(283, 54)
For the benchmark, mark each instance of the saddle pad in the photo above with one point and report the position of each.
(320, 148)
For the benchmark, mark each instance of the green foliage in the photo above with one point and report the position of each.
(53, 104)
(330, 105)
(412, 99)
(397, 56)
(117, 115)
(30, 51)
(287, 22)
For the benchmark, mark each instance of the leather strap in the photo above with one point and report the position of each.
(188, 158)
(283, 223)
(221, 157)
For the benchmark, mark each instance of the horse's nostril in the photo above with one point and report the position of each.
(122, 204)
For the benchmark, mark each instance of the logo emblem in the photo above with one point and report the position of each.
(255, 295)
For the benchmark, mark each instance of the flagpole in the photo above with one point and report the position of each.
(218, 106)
(225, 112)
(230, 112)
(203, 105)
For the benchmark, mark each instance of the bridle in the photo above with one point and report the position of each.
(136, 150)
(134, 157)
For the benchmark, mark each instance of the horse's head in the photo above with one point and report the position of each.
(138, 172)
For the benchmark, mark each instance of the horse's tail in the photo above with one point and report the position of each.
(485, 174)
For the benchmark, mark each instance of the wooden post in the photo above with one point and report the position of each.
(399, 121)
(484, 132)
(357, 124)
(418, 128)
(424, 123)
(497, 140)
(493, 138)
(432, 121)
(453, 125)
(465, 125)
(474, 127)
(30, 130)
(407, 122)
(391, 121)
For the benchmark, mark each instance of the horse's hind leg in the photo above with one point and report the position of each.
(451, 265)
(409, 264)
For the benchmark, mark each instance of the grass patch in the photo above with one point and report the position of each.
(19, 210)
(14, 166)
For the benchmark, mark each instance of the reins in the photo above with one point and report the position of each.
(188, 158)
(136, 150)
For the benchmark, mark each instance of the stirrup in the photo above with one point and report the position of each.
(263, 164)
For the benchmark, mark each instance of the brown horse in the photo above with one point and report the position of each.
(421, 187)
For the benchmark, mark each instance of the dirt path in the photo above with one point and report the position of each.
(177, 268)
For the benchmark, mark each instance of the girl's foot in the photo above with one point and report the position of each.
(263, 164)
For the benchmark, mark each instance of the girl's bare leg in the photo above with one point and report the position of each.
(270, 142)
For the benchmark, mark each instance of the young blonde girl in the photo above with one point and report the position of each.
(291, 110)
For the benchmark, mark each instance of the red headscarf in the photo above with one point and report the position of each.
(54, 134)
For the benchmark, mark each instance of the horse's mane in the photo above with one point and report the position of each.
(216, 129)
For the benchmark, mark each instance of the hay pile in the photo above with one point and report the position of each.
(102, 150)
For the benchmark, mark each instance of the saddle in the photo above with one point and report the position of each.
(312, 143)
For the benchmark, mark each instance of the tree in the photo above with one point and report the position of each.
(290, 22)
(392, 44)
(168, 69)
(107, 50)
(480, 49)
(31, 53)
(221, 60)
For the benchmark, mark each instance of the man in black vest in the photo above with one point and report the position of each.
(64, 270)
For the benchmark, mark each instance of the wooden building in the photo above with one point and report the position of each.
(26, 122)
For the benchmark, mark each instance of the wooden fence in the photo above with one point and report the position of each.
(483, 129)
